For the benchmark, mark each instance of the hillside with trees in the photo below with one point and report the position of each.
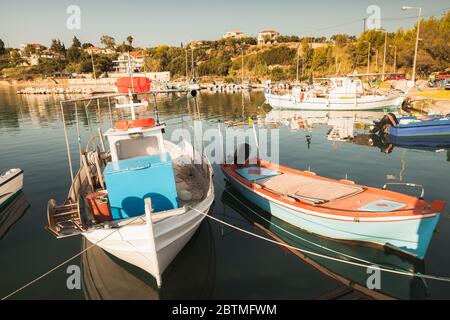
(222, 59)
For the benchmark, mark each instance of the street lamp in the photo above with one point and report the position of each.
(417, 39)
(368, 58)
(385, 42)
(395, 56)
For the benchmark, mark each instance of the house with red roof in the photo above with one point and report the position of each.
(267, 36)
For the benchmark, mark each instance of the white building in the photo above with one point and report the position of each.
(234, 34)
(134, 61)
(267, 36)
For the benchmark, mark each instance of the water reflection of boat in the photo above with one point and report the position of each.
(344, 124)
(12, 213)
(190, 276)
(387, 143)
(392, 285)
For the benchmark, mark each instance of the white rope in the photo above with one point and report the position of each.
(381, 268)
(62, 263)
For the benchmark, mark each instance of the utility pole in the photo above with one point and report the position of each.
(417, 40)
(93, 67)
(298, 60)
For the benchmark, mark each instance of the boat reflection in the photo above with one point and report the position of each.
(393, 286)
(12, 213)
(191, 275)
(345, 125)
(387, 143)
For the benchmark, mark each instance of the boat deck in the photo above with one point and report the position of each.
(305, 190)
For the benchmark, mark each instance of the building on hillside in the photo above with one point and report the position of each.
(37, 48)
(132, 62)
(234, 34)
(267, 36)
(93, 50)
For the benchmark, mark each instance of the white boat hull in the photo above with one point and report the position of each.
(369, 102)
(152, 246)
(11, 182)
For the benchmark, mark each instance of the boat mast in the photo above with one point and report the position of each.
(242, 69)
(192, 63)
(187, 68)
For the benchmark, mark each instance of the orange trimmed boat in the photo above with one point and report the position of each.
(338, 209)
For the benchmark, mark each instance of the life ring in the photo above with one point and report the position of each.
(302, 96)
(137, 123)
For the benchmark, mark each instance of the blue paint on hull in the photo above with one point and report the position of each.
(426, 128)
(411, 236)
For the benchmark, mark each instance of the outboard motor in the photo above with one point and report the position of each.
(244, 149)
(388, 120)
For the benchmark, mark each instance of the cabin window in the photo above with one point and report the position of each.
(137, 147)
(338, 83)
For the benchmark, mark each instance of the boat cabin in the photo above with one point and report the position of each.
(140, 168)
(345, 87)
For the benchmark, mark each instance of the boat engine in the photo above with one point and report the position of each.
(244, 149)
(388, 120)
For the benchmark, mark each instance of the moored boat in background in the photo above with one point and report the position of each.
(344, 94)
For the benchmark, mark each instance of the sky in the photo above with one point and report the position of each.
(173, 22)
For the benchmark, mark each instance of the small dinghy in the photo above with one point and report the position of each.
(414, 126)
(11, 182)
(141, 199)
(338, 209)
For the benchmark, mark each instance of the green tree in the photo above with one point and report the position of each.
(57, 46)
(76, 43)
(2, 47)
(130, 41)
(108, 41)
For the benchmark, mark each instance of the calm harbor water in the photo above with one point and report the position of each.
(219, 262)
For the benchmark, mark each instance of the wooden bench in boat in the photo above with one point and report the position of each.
(306, 188)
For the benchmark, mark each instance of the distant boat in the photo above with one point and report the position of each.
(433, 126)
(11, 182)
(12, 212)
(343, 94)
(338, 209)
(353, 277)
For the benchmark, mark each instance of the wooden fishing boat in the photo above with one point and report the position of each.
(141, 199)
(352, 276)
(338, 209)
(11, 182)
(415, 126)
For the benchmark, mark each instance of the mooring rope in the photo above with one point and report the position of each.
(304, 251)
(367, 264)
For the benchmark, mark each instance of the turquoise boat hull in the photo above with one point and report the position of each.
(409, 236)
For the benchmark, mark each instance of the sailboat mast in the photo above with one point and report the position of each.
(192, 63)
(242, 69)
(187, 68)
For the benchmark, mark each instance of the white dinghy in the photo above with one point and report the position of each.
(11, 182)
